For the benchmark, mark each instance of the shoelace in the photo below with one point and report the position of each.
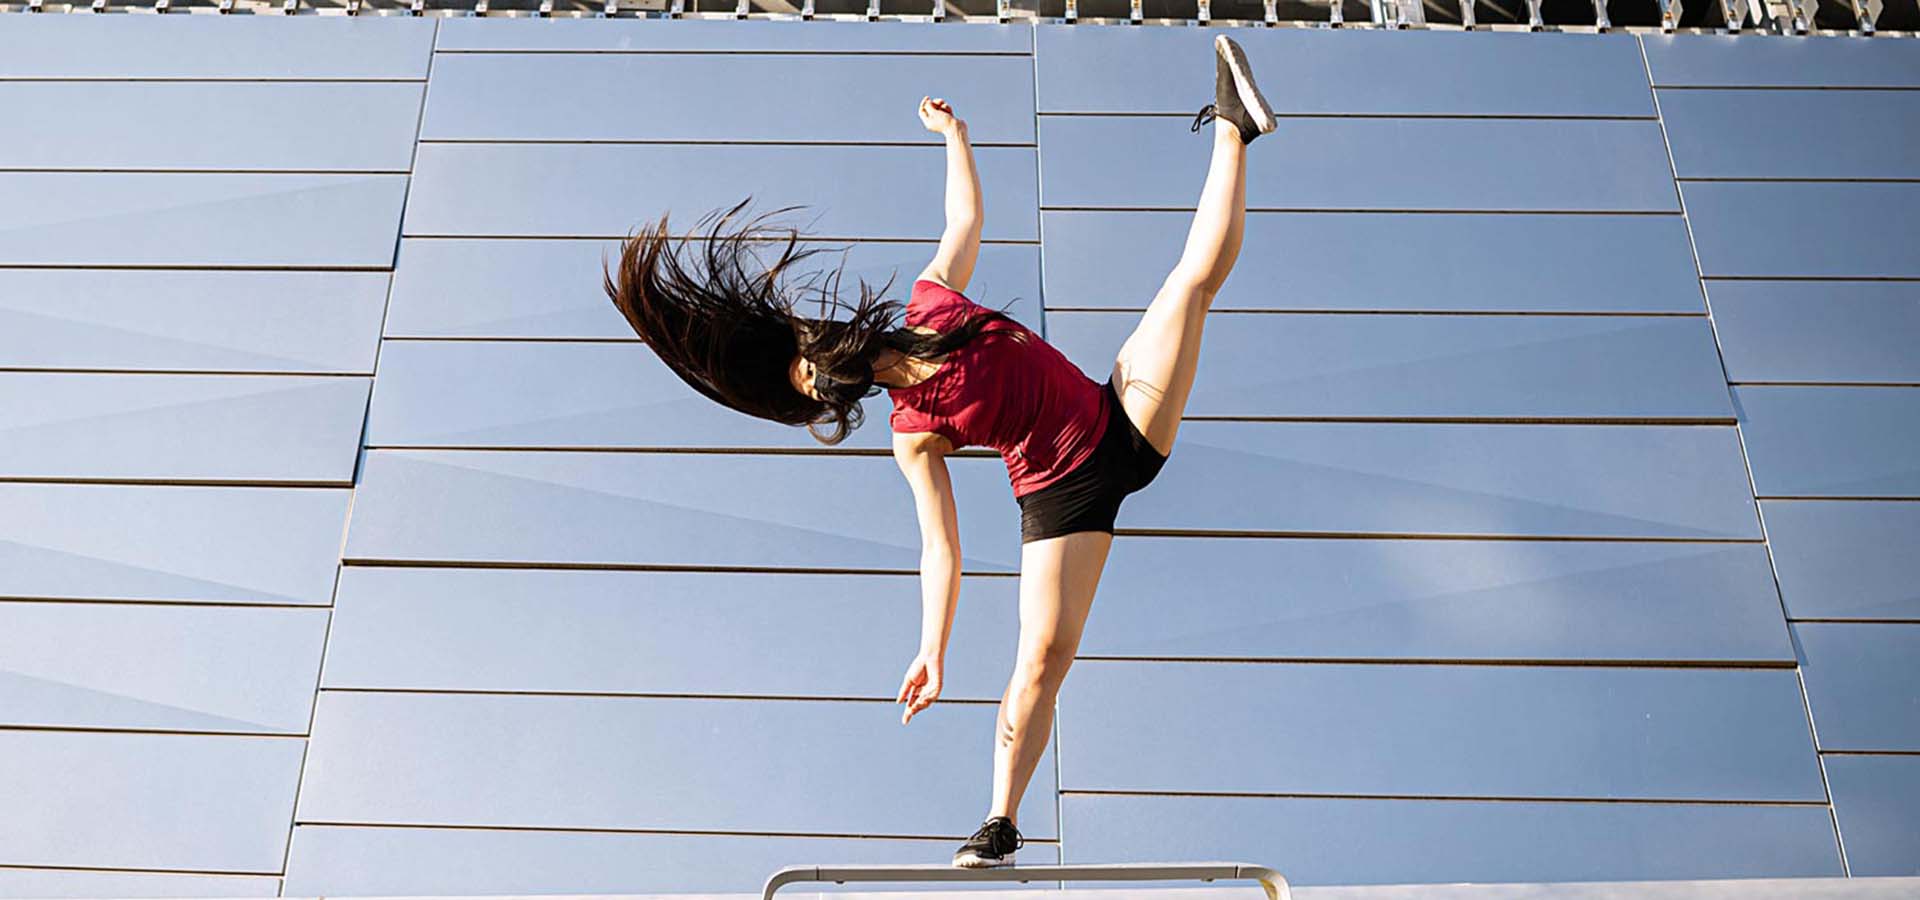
(1206, 114)
(989, 826)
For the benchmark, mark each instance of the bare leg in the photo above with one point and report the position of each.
(1058, 577)
(1155, 367)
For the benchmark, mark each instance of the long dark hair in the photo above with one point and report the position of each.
(724, 322)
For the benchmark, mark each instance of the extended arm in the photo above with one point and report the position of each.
(952, 264)
(926, 471)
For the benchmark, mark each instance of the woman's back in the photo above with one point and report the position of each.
(1021, 397)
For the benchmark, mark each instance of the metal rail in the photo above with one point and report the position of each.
(1274, 884)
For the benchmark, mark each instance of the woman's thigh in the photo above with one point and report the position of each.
(1155, 367)
(1058, 576)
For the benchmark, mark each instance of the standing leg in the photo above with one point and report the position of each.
(1058, 577)
(1155, 367)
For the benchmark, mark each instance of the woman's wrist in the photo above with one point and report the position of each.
(957, 130)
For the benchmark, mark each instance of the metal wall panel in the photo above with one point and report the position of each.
(1427, 600)
(582, 190)
(1830, 331)
(852, 98)
(1504, 262)
(185, 668)
(839, 768)
(540, 394)
(79, 883)
(284, 428)
(1845, 559)
(753, 510)
(1726, 60)
(1355, 163)
(199, 219)
(1683, 481)
(237, 321)
(1351, 841)
(1469, 367)
(1831, 441)
(1438, 731)
(202, 803)
(216, 47)
(1863, 684)
(1345, 71)
(341, 126)
(1792, 133)
(1876, 801)
(1789, 229)
(652, 632)
(553, 288)
(475, 861)
(656, 35)
(170, 542)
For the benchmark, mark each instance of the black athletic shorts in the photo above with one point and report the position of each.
(1087, 498)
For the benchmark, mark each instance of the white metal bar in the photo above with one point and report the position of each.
(1270, 880)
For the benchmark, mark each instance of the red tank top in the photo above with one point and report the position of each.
(1022, 398)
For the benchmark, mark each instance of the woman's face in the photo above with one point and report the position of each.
(800, 375)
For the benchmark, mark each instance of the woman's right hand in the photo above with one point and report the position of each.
(938, 116)
(921, 686)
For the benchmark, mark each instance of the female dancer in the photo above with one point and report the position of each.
(1073, 448)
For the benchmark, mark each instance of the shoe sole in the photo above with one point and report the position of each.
(970, 861)
(1250, 98)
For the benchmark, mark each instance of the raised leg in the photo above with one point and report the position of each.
(1154, 370)
(1058, 576)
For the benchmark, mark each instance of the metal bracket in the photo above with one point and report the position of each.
(873, 10)
(419, 7)
(1270, 12)
(545, 11)
(806, 9)
(1669, 15)
(1336, 17)
(1206, 12)
(1073, 11)
(33, 6)
(1866, 13)
(1600, 20)
(939, 9)
(1466, 14)
(1534, 21)
(160, 7)
(1271, 881)
(1133, 12)
(1000, 10)
(1734, 14)
(674, 10)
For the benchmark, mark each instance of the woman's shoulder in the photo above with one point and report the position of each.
(930, 298)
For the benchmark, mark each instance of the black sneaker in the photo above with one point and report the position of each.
(1235, 97)
(991, 846)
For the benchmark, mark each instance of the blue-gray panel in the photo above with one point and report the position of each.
(170, 542)
(1392, 366)
(1792, 133)
(543, 394)
(1876, 800)
(342, 126)
(1426, 600)
(652, 632)
(79, 883)
(780, 766)
(1831, 441)
(204, 321)
(1346, 71)
(552, 288)
(199, 219)
(391, 862)
(658, 35)
(179, 668)
(583, 190)
(1599, 733)
(1806, 61)
(1773, 229)
(290, 428)
(1386, 261)
(1345, 841)
(1361, 163)
(1845, 559)
(1681, 481)
(215, 47)
(1863, 683)
(754, 510)
(107, 800)
(1831, 331)
(865, 98)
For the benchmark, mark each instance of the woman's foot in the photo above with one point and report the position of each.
(1235, 97)
(991, 846)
